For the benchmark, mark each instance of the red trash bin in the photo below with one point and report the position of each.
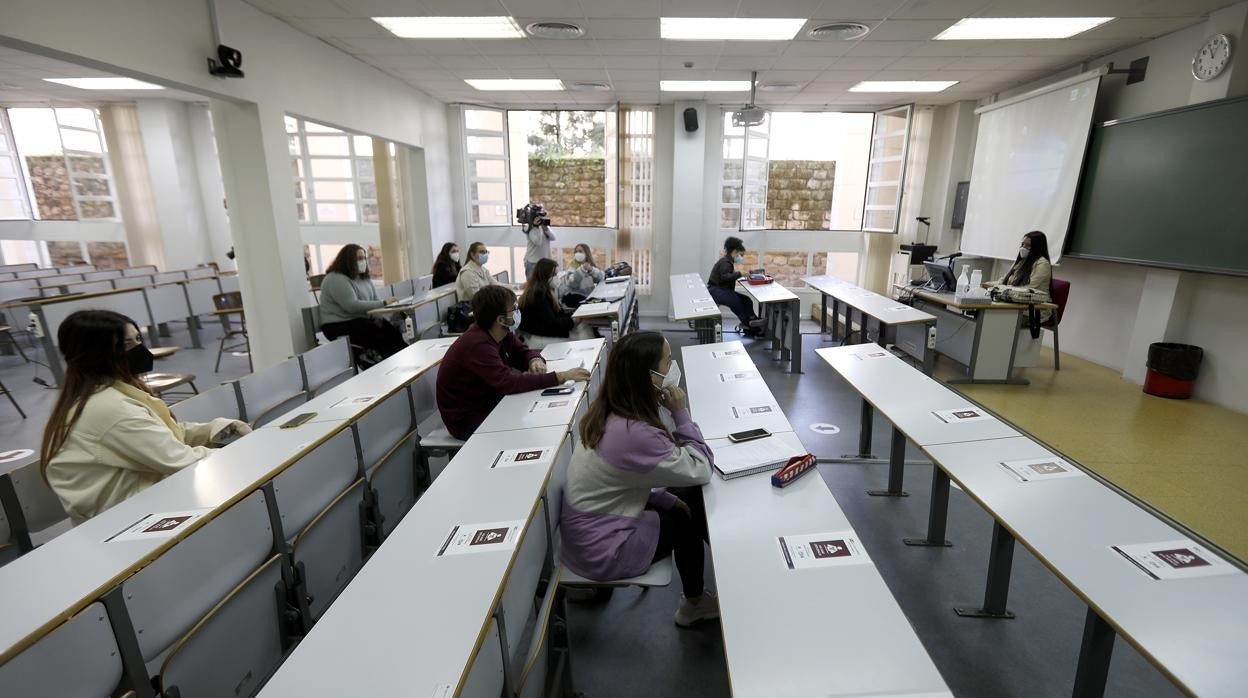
(1172, 369)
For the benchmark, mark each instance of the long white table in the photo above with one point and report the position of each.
(886, 312)
(1192, 629)
(781, 310)
(692, 303)
(618, 311)
(828, 631)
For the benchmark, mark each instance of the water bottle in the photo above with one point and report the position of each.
(977, 278)
(409, 329)
(964, 285)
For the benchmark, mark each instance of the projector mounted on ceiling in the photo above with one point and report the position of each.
(750, 115)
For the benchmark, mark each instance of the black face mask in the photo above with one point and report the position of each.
(140, 360)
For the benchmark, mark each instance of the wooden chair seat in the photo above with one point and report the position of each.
(161, 383)
(163, 352)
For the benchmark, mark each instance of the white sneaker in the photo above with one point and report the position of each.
(707, 608)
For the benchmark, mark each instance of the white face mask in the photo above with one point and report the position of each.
(361, 265)
(579, 256)
(672, 378)
(515, 320)
(455, 256)
(483, 258)
(1023, 252)
(738, 259)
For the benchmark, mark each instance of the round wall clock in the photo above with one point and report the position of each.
(1212, 58)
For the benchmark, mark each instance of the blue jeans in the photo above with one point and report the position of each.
(739, 303)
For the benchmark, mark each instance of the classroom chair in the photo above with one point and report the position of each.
(503, 277)
(387, 437)
(326, 366)
(8, 550)
(77, 658)
(436, 442)
(227, 305)
(221, 401)
(311, 323)
(34, 512)
(233, 649)
(545, 668)
(267, 394)
(163, 385)
(9, 394)
(6, 336)
(1061, 294)
(424, 284)
(331, 550)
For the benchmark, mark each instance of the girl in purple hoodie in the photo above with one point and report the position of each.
(633, 493)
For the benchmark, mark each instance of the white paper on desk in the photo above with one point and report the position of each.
(583, 350)
(480, 538)
(522, 456)
(1040, 469)
(158, 526)
(754, 410)
(725, 353)
(564, 365)
(1174, 559)
(709, 307)
(403, 369)
(555, 353)
(874, 354)
(759, 455)
(445, 690)
(555, 404)
(809, 550)
(898, 309)
(961, 414)
(732, 377)
(358, 401)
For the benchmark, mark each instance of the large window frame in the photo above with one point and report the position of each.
(84, 183)
(305, 163)
(12, 179)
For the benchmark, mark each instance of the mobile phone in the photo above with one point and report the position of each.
(297, 420)
(558, 391)
(750, 435)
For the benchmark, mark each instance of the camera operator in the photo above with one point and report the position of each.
(536, 224)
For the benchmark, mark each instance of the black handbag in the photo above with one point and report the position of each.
(459, 318)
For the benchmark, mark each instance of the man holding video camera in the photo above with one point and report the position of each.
(536, 224)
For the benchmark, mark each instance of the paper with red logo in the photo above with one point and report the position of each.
(481, 538)
(159, 526)
(810, 550)
(1175, 559)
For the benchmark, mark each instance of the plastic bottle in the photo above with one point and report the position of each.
(977, 278)
(964, 285)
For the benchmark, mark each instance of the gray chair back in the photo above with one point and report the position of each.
(424, 394)
(312, 482)
(78, 658)
(311, 323)
(41, 508)
(268, 393)
(485, 674)
(331, 549)
(424, 283)
(221, 401)
(326, 366)
(388, 446)
(384, 426)
(395, 481)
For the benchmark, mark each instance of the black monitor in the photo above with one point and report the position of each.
(940, 276)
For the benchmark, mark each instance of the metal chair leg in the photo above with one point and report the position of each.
(12, 400)
(1057, 351)
(16, 345)
(220, 351)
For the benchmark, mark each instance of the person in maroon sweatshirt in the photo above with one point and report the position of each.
(490, 361)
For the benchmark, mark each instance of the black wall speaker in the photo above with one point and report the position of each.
(691, 119)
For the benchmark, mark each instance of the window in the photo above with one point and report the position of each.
(333, 170)
(12, 189)
(637, 199)
(64, 161)
(485, 148)
(889, 145)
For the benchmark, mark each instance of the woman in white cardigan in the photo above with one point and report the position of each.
(109, 438)
(474, 276)
(1031, 276)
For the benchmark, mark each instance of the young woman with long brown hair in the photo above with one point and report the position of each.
(108, 438)
(446, 267)
(614, 523)
(541, 313)
(347, 294)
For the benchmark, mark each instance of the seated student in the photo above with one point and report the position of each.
(615, 524)
(722, 284)
(1032, 273)
(446, 266)
(347, 294)
(474, 276)
(108, 438)
(582, 276)
(490, 361)
(541, 313)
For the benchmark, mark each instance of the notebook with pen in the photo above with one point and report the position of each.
(758, 456)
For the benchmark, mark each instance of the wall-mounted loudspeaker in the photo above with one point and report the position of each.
(691, 119)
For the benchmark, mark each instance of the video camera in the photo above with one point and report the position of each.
(532, 215)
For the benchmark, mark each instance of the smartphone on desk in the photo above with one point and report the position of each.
(297, 420)
(749, 435)
(551, 392)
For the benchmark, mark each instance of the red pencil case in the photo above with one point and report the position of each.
(796, 467)
(760, 279)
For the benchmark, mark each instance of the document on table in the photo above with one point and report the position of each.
(555, 353)
(810, 550)
(564, 365)
(725, 353)
(874, 354)
(961, 414)
(357, 401)
(754, 410)
(757, 456)
(1174, 559)
(1038, 469)
(159, 526)
(478, 538)
(522, 456)
(556, 404)
(734, 376)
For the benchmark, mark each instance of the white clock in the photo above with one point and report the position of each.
(1212, 58)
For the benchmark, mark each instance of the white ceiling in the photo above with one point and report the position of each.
(621, 46)
(22, 83)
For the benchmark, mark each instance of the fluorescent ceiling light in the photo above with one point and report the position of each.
(729, 28)
(527, 85)
(105, 83)
(1021, 27)
(903, 85)
(452, 27)
(704, 85)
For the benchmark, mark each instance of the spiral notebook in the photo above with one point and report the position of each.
(758, 456)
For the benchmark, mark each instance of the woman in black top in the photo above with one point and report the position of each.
(540, 313)
(723, 286)
(446, 266)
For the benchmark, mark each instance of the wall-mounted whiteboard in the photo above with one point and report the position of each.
(1028, 155)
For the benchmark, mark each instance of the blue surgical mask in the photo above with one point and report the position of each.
(483, 258)
(515, 320)
(738, 259)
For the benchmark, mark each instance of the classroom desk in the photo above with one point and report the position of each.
(426, 309)
(728, 385)
(692, 303)
(782, 318)
(619, 312)
(425, 618)
(887, 313)
(998, 343)
(520, 411)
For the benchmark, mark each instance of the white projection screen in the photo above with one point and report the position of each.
(1028, 156)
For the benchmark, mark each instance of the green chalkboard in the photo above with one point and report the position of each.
(1168, 189)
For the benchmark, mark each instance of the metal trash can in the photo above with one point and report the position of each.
(1172, 369)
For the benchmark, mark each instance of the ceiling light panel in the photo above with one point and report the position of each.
(903, 85)
(452, 27)
(704, 85)
(729, 28)
(988, 28)
(520, 85)
(105, 83)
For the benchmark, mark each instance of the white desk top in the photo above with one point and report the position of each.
(833, 631)
(690, 298)
(723, 405)
(767, 293)
(423, 616)
(430, 296)
(881, 308)
(518, 411)
(1195, 630)
(908, 398)
(596, 310)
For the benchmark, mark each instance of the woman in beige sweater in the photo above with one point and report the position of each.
(108, 438)
(1031, 276)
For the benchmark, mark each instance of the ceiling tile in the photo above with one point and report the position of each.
(789, 75)
(401, 62)
(884, 48)
(908, 29)
(516, 72)
(575, 61)
(542, 8)
(921, 63)
(616, 9)
(811, 47)
(455, 61)
(699, 8)
(1139, 28)
(462, 8)
(620, 47)
(753, 48)
(622, 28)
(382, 47)
(564, 47)
(979, 63)
(342, 28)
(523, 61)
(700, 62)
(633, 62)
(851, 62)
(859, 9)
(779, 8)
(691, 48)
(305, 8)
(581, 74)
(803, 62)
(941, 9)
(746, 63)
(630, 76)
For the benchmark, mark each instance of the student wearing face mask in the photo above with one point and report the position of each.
(474, 276)
(617, 518)
(108, 438)
(490, 361)
(722, 285)
(582, 275)
(446, 267)
(1031, 276)
(347, 294)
